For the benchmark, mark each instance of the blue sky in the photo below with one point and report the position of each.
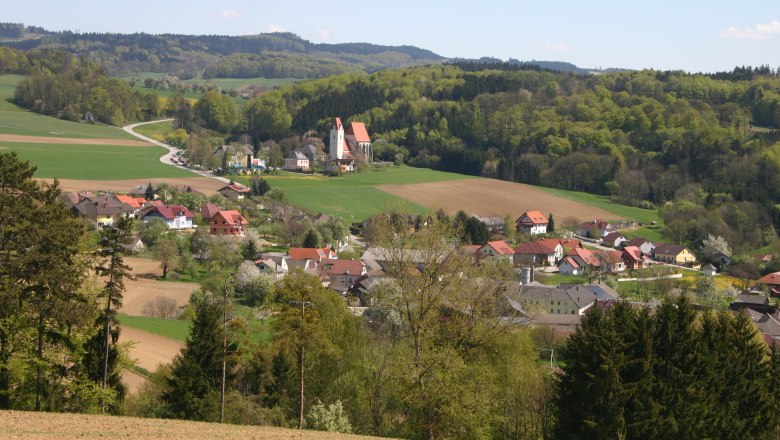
(684, 34)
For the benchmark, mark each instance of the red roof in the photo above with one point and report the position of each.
(771, 279)
(337, 123)
(316, 254)
(169, 212)
(612, 257)
(135, 202)
(535, 248)
(500, 247)
(231, 217)
(358, 129)
(571, 261)
(236, 187)
(338, 267)
(208, 210)
(585, 255)
(633, 253)
(535, 217)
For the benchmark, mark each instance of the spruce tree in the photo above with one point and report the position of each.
(550, 224)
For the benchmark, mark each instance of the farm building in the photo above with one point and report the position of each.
(296, 161)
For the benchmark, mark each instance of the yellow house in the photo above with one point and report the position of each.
(674, 254)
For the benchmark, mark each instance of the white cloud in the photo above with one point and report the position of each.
(324, 34)
(276, 28)
(554, 47)
(229, 13)
(757, 32)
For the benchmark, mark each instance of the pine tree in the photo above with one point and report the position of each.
(193, 389)
(550, 224)
(312, 239)
(149, 193)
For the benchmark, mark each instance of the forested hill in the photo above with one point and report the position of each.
(646, 138)
(271, 55)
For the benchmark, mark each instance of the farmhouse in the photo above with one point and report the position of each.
(497, 248)
(174, 216)
(135, 203)
(234, 191)
(314, 153)
(343, 273)
(315, 255)
(633, 257)
(348, 146)
(534, 252)
(595, 229)
(236, 157)
(646, 246)
(569, 266)
(228, 223)
(772, 282)
(272, 265)
(99, 211)
(614, 239)
(532, 222)
(674, 253)
(296, 161)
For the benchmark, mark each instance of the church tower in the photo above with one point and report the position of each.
(336, 141)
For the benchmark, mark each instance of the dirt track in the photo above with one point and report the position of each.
(71, 141)
(149, 350)
(203, 184)
(35, 425)
(485, 197)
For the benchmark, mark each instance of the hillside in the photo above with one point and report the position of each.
(36, 425)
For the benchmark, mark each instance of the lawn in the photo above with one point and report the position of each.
(353, 196)
(557, 279)
(653, 233)
(644, 216)
(156, 131)
(170, 328)
(16, 120)
(95, 162)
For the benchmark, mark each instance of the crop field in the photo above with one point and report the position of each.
(95, 162)
(29, 425)
(175, 329)
(353, 196)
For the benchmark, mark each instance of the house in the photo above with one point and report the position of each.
(497, 248)
(99, 211)
(234, 191)
(296, 161)
(569, 266)
(646, 246)
(348, 146)
(674, 254)
(314, 153)
(767, 323)
(343, 273)
(584, 257)
(772, 282)
(595, 229)
(236, 157)
(759, 303)
(531, 222)
(274, 266)
(613, 239)
(317, 255)
(208, 210)
(612, 261)
(228, 223)
(708, 270)
(633, 258)
(534, 252)
(722, 260)
(72, 198)
(174, 216)
(495, 225)
(134, 203)
(561, 246)
(554, 300)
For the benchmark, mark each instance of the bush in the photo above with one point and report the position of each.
(331, 418)
(160, 307)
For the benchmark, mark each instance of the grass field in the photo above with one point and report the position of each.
(95, 162)
(353, 196)
(16, 120)
(170, 328)
(644, 216)
(156, 131)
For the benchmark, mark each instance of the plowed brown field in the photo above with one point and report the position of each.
(149, 350)
(485, 197)
(35, 425)
(203, 184)
(71, 141)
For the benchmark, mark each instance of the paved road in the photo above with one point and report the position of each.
(168, 157)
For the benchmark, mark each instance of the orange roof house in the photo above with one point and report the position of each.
(532, 222)
(772, 281)
(228, 223)
(497, 248)
(317, 255)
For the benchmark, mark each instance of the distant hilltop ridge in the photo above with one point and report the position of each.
(270, 55)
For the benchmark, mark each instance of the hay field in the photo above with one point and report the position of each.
(486, 197)
(35, 426)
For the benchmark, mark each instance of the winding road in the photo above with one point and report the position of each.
(169, 156)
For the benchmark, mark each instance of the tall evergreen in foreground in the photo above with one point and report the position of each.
(675, 374)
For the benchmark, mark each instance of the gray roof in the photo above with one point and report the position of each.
(582, 298)
(297, 155)
(747, 298)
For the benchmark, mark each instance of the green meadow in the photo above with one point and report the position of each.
(170, 328)
(156, 131)
(95, 162)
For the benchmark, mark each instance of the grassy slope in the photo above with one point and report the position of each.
(603, 202)
(16, 120)
(156, 131)
(353, 196)
(95, 162)
(170, 328)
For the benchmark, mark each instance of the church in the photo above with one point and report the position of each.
(348, 147)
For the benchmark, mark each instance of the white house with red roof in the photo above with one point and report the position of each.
(347, 146)
(534, 252)
(772, 282)
(174, 216)
(316, 255)
(497, 248)
(343, 273)
(228, 223)
(532, 222)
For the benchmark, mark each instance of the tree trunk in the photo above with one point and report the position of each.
(5, 373)
(39, 377)
(165, 270)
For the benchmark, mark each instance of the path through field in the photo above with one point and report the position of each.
(485, 197)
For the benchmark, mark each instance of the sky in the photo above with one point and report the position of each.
(692, 35)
